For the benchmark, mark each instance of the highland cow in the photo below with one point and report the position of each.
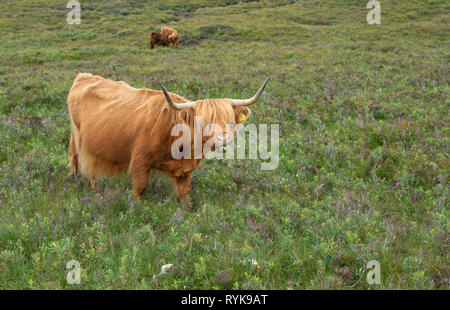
(120, 129)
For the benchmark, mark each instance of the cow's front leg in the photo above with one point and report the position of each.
(140, 171)
(140, 182)
(184, 187)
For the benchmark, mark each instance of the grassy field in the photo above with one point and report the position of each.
(364, 146)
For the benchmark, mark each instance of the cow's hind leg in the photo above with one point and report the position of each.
(92, 182)
(73, 157)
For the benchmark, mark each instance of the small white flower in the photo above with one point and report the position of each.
(255, 263)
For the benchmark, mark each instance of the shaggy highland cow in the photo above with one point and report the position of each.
(172, 34)
(120, 129)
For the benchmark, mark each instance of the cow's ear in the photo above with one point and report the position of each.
(241, 113)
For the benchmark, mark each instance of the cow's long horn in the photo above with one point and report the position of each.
(239, 102)
(176, 106)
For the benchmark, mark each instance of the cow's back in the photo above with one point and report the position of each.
(170, 32)
(82, 81)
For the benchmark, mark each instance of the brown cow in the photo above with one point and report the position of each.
(158, 39)
(120, 129)
(172, 34)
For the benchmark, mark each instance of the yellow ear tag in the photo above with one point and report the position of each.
(242, 117)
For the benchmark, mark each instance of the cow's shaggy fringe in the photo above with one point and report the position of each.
(209, 111)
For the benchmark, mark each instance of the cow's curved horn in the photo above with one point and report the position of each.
(240, 102)
(176, 106)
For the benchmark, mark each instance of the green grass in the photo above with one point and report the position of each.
(364, 146)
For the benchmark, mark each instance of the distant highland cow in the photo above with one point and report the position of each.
(158, 39)
(172, 34)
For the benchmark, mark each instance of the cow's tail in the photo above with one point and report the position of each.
(73, 156)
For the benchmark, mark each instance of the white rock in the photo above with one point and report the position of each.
(165, 268)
